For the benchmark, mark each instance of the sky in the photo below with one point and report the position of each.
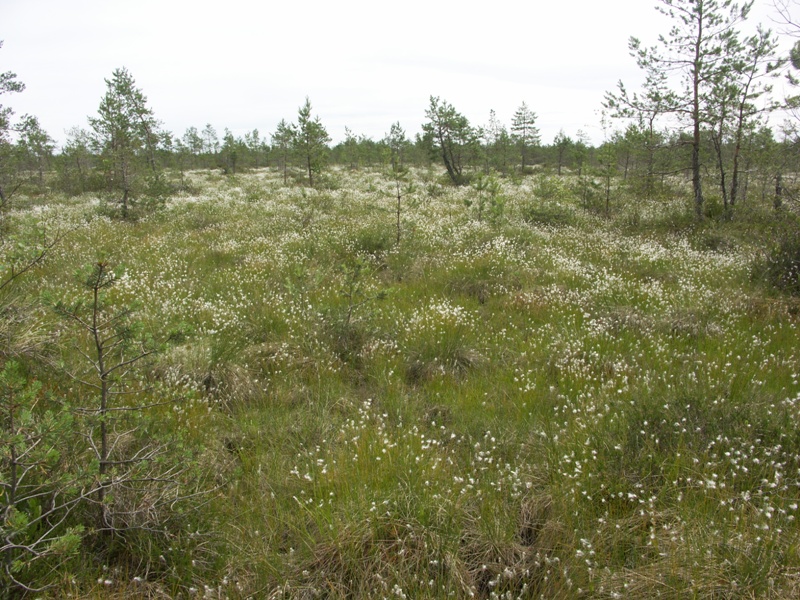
(364, 65)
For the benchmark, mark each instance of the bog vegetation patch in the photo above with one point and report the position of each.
(547, 403)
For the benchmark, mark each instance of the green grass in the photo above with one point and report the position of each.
(554, 404)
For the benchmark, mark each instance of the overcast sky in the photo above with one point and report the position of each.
(364, 64)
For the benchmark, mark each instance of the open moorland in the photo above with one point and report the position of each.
(270, 391)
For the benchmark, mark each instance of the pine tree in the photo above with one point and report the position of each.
(8, 85)
(524, 132)
(450, 135)
(695, 47)
(125, 134)
(36, 146)
(282, 142)
(310, 141)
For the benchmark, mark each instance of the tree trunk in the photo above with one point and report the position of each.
(746, 184)
(125, 204)
(737, 150)
(448, 161)
(697, 185)
(717, 139)
(735, 176)
(103, 458)
(399, 197)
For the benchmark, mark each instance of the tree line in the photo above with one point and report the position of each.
(701, 113)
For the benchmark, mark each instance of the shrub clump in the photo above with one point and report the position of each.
(547, 215)
(781, 268)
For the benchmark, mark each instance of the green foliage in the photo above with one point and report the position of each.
(547, 188)
(125, 136)
(717, 80)
(373, 242)
(553, 216)
(490, 200)
(9, 177)
(404, 186)
(39, 487)
(497, 145)
(562, 144)
(310, 141)
(532, 411)
(524, 133)
(482, 278)
(450, 138)
(348, 324)
(158, 189)
(145, 479)
(281, 142)
(589, 191)
(439, 345)
(781, 266)
(35, 147)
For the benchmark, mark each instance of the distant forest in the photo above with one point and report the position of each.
(702, 112)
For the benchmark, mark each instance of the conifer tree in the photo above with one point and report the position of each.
(449, 135)
(8, 85)
(695, 47)
(125, 134)
(282, 143)
(524, 132)
(310, 141)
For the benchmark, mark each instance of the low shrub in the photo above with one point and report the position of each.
(548, 215)
(781, 267)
